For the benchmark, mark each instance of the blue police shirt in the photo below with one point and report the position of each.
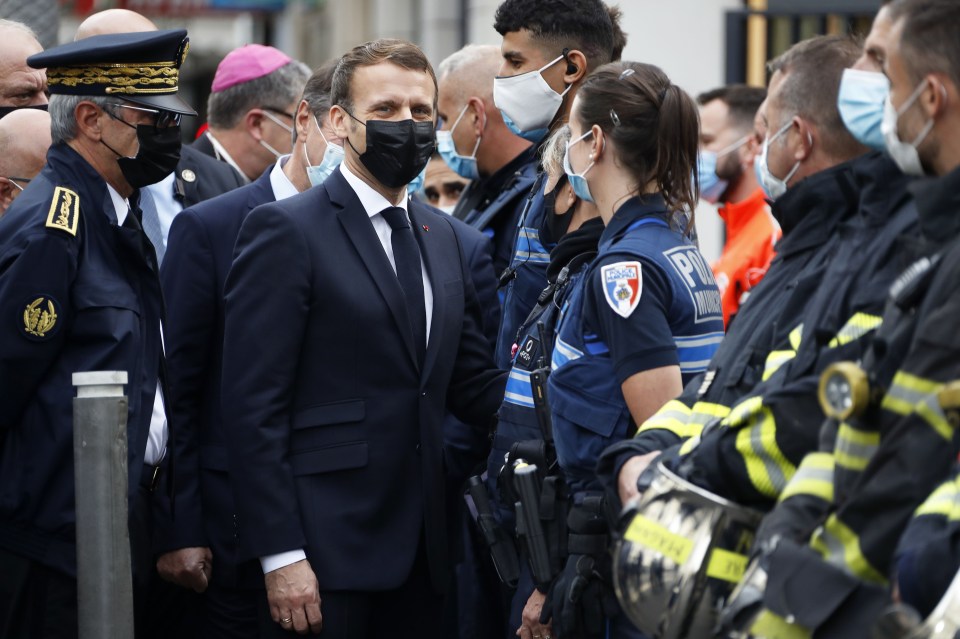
(649, 300)
(530, 260)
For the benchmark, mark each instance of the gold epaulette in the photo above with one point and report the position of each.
(64, 211)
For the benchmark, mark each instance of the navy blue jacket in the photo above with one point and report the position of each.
(199, 254)
(336, 439)
(493, 204)
(77, 293)
(210, 177)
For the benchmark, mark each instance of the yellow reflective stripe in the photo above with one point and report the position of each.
(743, 412)
(726, 565)
(855, 448)
(795, 336)
(855, 328)
(814, 477)
(909, 394)
(688, 446)
(683, 421)
(768, 469)
(674, 416)
(776, 359)
(929, 409)
(840, 546)
(772, 626)
(652, 535)
(945, 501)
(704, 412)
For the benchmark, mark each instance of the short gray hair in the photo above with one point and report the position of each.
(63, 121)
(273, 91)
(17, 26)
(475, 67)
(317, 93)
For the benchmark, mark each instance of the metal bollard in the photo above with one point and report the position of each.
(104, 582)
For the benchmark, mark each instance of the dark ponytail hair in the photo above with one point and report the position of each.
(653, 124)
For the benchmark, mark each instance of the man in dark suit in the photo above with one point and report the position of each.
(350, 326)
(193, 276)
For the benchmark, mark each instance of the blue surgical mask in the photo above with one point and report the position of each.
(860, 102)
(577, 180)
(711, 186)
(332, 158)
(463, 165)
(417, 183)
(535, 135)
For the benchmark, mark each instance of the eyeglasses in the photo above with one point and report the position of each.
(267, 111)
(14, 180)
(162, 119)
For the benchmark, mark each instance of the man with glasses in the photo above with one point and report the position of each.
(24, 140)
(79, 291)
(251, 109)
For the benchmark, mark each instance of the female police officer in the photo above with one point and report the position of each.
(644, 319)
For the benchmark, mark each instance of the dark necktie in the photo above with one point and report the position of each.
(406, 254)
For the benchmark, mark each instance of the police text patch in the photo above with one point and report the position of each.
(622, 286)
(64, 211)
(39, 317)
(696, 274)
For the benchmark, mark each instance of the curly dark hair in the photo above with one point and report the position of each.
(584, 25)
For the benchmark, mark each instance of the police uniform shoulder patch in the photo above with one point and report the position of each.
(622, 286)
(64, 211)
(39, 319)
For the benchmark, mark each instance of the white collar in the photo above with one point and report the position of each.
(121, 205)
(373, 202)
(223, 155)
(279, 182)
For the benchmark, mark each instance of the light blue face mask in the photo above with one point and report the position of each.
(332, 158)
(536, 135)
(860, 102)
(577, 180)
(417, 183)
(711, 186)
(463, 165)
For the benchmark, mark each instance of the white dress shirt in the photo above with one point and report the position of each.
(373, 203)
(157, 438)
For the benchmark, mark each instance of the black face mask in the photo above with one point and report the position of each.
(556, 223)
(157, 158)
(396, 151)
(7, 110)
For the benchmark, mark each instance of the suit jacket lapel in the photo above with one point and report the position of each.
(429, 252)
(356, 224)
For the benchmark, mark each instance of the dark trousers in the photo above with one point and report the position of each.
(35, 601)
(413, 610)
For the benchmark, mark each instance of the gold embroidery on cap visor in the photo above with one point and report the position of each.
(139, 78)
(38, 321)
(64, 211)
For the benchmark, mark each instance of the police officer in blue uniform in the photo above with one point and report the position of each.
(645, 318)
(521, 418)
(79, 291)
(532, 111)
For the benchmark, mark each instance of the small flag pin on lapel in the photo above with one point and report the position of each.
(426, 228)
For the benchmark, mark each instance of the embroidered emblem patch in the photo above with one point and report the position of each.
(622, 286)
(40, 317)
(64, 211)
